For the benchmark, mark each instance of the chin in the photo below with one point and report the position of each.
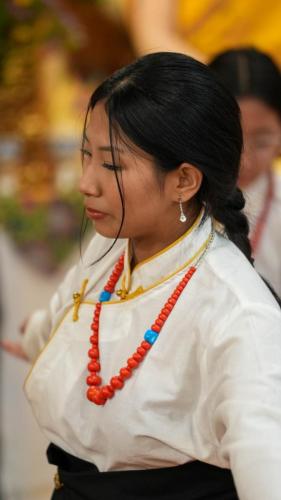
(106, 232)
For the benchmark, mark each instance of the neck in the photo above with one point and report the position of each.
(146, 247)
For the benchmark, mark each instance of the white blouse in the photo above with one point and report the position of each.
(210, 386)
(268, 254)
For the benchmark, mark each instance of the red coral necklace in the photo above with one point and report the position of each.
(98, 393)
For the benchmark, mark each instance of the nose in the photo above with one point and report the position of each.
(88, 184)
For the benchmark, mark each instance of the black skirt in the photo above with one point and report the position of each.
(77, 479)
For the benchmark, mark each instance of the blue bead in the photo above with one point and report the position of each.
(150, 336)
(104, 296)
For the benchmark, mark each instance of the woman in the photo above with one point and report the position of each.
(255, 81)
(202, 29)
(161, 377)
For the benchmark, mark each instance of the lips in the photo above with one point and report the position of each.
(92, 213)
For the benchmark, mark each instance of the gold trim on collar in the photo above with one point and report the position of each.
(123, 292)
(140, 290)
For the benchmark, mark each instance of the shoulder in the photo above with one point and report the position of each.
(234, 280)
(240, 311)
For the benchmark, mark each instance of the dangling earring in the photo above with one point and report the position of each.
(182, 214)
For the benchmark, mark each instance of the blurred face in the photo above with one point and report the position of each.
(148, 209)
(262, 139)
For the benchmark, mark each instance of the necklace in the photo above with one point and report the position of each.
(260, 224)
(98, 393)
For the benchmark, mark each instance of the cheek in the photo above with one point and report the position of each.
(253, 165)
(143, 208)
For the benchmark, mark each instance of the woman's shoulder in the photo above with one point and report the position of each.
(234, 279)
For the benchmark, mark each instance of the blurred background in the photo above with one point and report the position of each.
(52, 55)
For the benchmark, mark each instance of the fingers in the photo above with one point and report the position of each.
(13, 348)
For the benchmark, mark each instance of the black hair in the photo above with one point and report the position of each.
(248, 72)
(173, 108)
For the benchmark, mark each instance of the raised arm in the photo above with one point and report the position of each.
(153, 28)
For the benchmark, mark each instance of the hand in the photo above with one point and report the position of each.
(14, 348)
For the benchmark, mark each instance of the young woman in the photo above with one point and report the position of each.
(160, 373)
(255, 80)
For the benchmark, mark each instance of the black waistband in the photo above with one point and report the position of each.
(192, 481)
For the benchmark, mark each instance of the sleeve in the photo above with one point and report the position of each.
(244, 400)
(40, 324)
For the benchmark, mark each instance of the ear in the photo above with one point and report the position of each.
(185, 182)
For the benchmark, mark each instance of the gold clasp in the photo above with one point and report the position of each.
(77, 298)
(122, 293)
(57, 481)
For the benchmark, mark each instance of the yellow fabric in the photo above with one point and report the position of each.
(215, 25)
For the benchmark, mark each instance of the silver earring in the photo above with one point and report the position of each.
(182, 214)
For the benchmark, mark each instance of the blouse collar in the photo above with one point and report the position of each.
(169, 261)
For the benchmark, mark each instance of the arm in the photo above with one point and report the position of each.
(243, 369)
(41, 323)
(152, 24)
(36, 329)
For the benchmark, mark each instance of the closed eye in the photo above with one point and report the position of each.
(86, 152)
(110, 166)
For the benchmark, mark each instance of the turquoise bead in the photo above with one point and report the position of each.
(150, 336)
(104, 296)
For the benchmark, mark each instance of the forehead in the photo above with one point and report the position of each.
(256, 115)
(97, 133)
(97, 128)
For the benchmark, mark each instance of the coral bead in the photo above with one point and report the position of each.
(169, 306)
(146, 345)
(116, 383)
(94, 352)
(156, 328)
(125, 373)
(93, 380)
(111, 283)
(92, 366)
(107, 391)
(94, 339)
(159, 322)
(165, 311)
(172, 301)
(132, 363)
(92, 392)
(163, 316)
(137, 357)
(95, 396)
(95, 365)
(95, 327)
(141, 351)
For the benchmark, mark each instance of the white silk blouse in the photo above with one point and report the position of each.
(208, 389)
